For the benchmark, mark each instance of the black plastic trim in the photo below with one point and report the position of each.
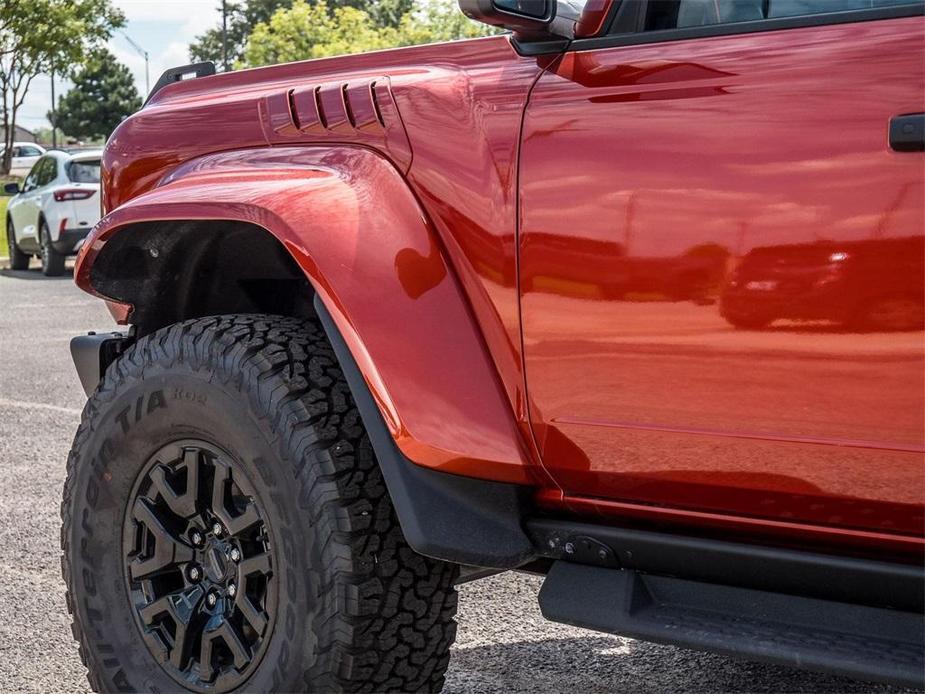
(93, 353)
(808, 633)
(539, 47)
(830, 577)
(449, 517)
(68, 240)
(775, 24)
(907, 133)
(180, 73)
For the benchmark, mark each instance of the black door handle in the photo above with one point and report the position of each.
(907, 133)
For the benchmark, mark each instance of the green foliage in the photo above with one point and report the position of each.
(315, 30)
(102, 96)
(39, 36)
(439, 21)
(243, 17)
(240, 19)
(45, 136)
(312, 31)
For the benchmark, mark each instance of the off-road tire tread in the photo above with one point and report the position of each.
(386, 621)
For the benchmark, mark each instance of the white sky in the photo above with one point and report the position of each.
(164, 28)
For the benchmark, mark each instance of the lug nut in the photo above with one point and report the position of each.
(217, 529)
(194, 574)
(235, 554)
(196, 537)
(211, 599)
(232, 590)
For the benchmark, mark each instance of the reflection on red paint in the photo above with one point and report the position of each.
(723, 279)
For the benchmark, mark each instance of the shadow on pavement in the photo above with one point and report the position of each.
(596, 664)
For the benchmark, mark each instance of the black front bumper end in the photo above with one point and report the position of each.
(68, 240)
(94, 352)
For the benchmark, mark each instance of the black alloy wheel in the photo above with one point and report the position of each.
(199, 566)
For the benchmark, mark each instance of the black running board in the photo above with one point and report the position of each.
(853, 640)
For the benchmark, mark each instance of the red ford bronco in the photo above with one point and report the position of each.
(630, 297)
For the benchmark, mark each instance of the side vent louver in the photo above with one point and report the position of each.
(361, 110)
(334, 107)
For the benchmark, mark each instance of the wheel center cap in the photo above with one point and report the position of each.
(216, 565)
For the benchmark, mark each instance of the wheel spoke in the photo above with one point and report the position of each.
(234, 524)
(256, 618)
(180, 607)
(259, 564)
(229, 635)
(168, 550)
(182, 504)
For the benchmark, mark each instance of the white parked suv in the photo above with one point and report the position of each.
(53, 212)
(25, 154)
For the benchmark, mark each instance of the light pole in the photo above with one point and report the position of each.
(144, 54)
(224, 37)
(54, 114)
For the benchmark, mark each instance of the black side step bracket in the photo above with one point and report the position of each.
(852, 640)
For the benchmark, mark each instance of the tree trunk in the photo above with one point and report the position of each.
(8, 134)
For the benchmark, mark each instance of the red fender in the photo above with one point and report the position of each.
(356, 230)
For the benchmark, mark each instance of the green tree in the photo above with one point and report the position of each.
(312, 31)
(315, 30)
(439, 21)
(39, 36)
(102, 96)
(45, 135)
(242, 17)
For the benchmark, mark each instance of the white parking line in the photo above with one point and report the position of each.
(4, 402)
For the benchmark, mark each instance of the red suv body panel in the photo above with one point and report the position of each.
(628, 184)
(727, 148)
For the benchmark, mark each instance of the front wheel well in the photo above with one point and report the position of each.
(177, 270)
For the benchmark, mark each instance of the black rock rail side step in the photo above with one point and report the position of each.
(852, 640)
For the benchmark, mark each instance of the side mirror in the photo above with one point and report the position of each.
(540, 19)
(523, 17)
(11, 188)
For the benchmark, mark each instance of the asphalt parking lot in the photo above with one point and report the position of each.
(503, 645)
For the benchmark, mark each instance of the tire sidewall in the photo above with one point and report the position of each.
(169, 405)
(44, 246)
(52, 261)
(18, 259)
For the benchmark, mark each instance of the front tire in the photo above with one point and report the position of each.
(18, 259)
(52, 261)
(259, 408)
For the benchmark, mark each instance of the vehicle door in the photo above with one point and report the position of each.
(46, 171)
(22, 208)
(721, 265)
(25, 157)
